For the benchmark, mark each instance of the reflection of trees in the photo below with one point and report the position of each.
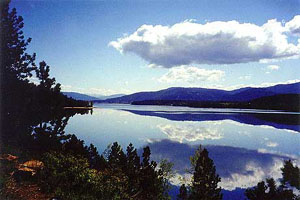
(36, 133)
(50, 135)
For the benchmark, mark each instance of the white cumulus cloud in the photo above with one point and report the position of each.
(218, 42)
(293, 26)
(273, 67)
(191, 74)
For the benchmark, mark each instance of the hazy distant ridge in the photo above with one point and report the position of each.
(84, 97)
(204, 94)
(79, 96)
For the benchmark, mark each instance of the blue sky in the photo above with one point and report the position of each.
(102, 47)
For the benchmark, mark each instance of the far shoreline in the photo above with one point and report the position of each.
(84, 108)
(214, 110)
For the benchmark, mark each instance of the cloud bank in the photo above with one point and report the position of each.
(191, 74)
(293, 26)
(219, 42)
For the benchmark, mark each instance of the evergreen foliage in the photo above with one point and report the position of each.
(25, 104)
(15, 63)
(167, 172)
(121, 176)
(205, 180)
(183, 193)
(33, 121)
(291, 174)
(269, 191)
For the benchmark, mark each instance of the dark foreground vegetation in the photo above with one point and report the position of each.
(38, 160)
(285, 102)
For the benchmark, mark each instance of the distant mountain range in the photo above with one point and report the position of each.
(207, 95)
(103, 97)
(84, 97)
(287, 102)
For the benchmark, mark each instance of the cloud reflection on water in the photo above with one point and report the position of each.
(190, 132)
(238, 167)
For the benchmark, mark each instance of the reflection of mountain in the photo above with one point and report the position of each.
(279, 121)
(238, 167)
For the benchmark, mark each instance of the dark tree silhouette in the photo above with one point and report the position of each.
(133, 167)
(16, 66)
(49, 135)
(148, 176)
(25, 105)
(15, 63)
(269, 191)
(166, 173)
(96, 161)
(42, 73)
(205, 180)
(116, 158)
(183, 193)
(290, 174)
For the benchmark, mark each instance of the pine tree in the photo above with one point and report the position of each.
(269, 191)
(43, 75)
(133, 170)
(258, 192)
(290, 174)
(96, 161)
(183, 193)
(166, 174)
(15, 63)
(19, 96)
(151, 179)
(205, 180)
(117, 158)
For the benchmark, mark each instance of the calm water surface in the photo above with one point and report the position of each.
(247, 146)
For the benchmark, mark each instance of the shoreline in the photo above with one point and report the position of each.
(84, 108)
